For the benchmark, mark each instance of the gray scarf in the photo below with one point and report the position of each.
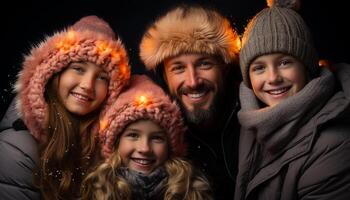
(145, 187)
(275, 126)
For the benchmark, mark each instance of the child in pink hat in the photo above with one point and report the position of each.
(143, 141)
(65, 82)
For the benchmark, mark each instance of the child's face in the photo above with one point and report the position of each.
(82, 87)
(143, 146)
(275, 77)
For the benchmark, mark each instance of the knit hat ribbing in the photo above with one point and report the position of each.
(278, 30)
(91, 40)
(142, 99)
(189, 29)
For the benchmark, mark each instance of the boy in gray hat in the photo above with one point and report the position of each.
(294, 141)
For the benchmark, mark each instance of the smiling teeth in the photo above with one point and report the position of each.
(196, 95)
(79, 96)
(143, 161)
(276, 92)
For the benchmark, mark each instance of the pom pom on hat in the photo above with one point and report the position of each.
(292, 4)
(88, 40)
(94, 24)
(142, 99)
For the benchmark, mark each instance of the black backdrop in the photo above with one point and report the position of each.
(25, 23)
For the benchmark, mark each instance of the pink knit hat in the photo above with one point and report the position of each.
(143, 99)
(91, 40)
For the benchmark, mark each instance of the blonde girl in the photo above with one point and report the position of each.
(143, 143)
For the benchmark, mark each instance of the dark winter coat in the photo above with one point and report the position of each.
(300, 154)
(217, 154)
(18, 158)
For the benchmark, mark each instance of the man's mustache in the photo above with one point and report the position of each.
(204, 87)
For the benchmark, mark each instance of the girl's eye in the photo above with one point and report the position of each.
(131, 135)
(158, 138)
(77, 69)
(103, 77)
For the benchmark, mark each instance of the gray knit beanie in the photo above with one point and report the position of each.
(278, 29)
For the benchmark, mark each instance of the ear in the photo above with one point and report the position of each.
(163, 71)
(163, 74)
(307, 73)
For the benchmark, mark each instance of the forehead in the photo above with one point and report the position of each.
(273, 57)
(145, 125)
(87, 65)
(190, 58)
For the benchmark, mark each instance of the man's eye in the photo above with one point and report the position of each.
(206, 64)
(177, 69)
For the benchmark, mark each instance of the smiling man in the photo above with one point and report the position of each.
(194, 52)
(196, 81)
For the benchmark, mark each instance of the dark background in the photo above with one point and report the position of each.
(25, 23)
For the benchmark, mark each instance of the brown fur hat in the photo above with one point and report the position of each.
(189, 29)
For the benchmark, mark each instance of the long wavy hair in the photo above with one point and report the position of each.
(184, 181)
(68, 151)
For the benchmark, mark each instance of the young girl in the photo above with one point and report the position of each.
(63, 86)
(295, 116)
(143, 143)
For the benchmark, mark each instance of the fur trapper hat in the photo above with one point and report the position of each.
(91, 40)
(142, 99)
(278, 29)
(189, 29)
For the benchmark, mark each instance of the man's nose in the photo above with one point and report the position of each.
(193, 78)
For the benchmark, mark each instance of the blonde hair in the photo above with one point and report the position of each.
(184, 182)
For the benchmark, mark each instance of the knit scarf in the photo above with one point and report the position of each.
(145, 187)
(275, 126)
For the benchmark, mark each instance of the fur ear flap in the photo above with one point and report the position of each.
(292, 4)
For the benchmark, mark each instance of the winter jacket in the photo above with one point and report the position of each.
(216, 156)
(18, 158)
(302, 150)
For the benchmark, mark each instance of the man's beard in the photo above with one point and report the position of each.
(200, 115)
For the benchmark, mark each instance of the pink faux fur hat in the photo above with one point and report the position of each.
(143, 99)
(91, 40)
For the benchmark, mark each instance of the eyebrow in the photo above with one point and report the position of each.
(206, 57)
(138, 130)
(79, 63)
(159, 132)
(257, 62)
(279, 56)
(132, 129)
(176, 62)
